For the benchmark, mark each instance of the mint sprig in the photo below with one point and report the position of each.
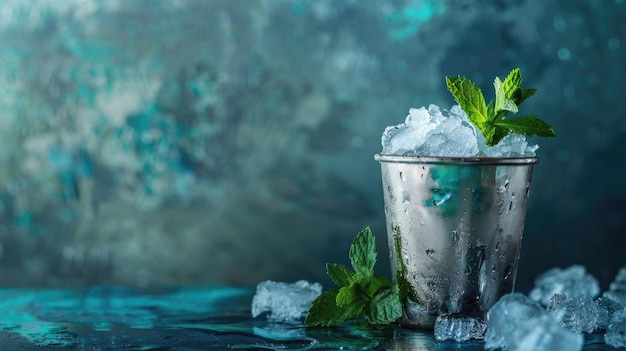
(491, 119)
(361, 291)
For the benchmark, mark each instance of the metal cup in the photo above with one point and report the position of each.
(454, 228)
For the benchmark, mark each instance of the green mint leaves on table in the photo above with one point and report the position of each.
(491, 119)
(361, 291)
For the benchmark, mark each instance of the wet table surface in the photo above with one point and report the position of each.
(190, 318)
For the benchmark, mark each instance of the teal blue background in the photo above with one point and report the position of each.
(232, 141)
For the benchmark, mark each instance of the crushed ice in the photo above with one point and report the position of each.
(458, 327)
(515, 322)
(520, 322)
(572, 282)
(285, 302)
(439, 132)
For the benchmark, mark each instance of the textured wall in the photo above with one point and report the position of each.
(231, 141)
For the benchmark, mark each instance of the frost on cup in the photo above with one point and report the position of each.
(456, 189)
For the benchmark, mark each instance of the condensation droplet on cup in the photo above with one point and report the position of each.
(402, 177)
(430, 252)
(455, 235)
(507, 272)
(511, 202)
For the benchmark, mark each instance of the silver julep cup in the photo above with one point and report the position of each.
(454, 228)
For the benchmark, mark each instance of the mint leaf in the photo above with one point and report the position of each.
(349, 295)
(490, 119)
(512, 83)
(385, 306)
(340, 274)
(361, 291)
(378, 283)
(325, 313)
(363, 253)
(523, 94)
(528, 125)
(469, 96)
(500, 133)
(503, 103)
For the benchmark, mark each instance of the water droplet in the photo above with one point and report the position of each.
(402, 177)
(493, 269)
(468, 269)
(421, 222)
(498, 242)
(528, 191)
(406, 198)
(455, 235)
(507, 272)
(430, 252)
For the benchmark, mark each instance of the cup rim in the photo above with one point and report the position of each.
(472, 160)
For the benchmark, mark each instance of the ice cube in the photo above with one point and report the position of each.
(459, 327)
(408, 136)
(518, 323)
(616, 333)
(617, 289)
(433, 131)
(510, 146)
(607, 308)
(580, 314)
(452, 137)
(572, 282)
(285, 302)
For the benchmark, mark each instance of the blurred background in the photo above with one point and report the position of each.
(231, 141)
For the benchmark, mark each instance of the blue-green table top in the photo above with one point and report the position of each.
(185, 318)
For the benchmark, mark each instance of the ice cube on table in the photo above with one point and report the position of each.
(518, 323)
(616, 333)
(285, 302)
(607, 308)
(580, 314)
(617, 289)
(571, 282)
(459, 327)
